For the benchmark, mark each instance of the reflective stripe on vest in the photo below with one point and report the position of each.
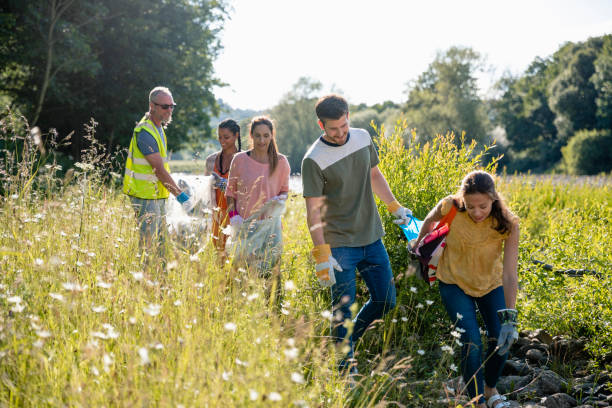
(139, 179)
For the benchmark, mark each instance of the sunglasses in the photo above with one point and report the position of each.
(164, 106)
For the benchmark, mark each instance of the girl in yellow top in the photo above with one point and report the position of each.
(479, 268)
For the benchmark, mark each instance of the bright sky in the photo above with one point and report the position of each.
(369, 49)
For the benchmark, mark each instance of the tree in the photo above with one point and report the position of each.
(296, 120)
(78, 70)
(445, 97)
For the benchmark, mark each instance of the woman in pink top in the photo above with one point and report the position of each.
(255, 177)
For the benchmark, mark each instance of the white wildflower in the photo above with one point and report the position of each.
(107, 361)
(103, 285)
(98, 309)
(419, 306)
(144, 356)
(429, 302)
(421, 352)
(289, 285)
(291, 353)
(297, 378)
(43, 334)
(291, 342)
(226, 375)
(177, 302)
(38, 262)
(95, 371)
(404, 319)
(448, 349)
(413, 289)
(459, 343)
(326, 314)
(252, 296)
(459, 316)
(132, 320)
(194, 258)
(14, 299)
(453, 367)
(74, 287)
(17, 308)
(253, 395)
(38, 343)
(152, 309)
(455, 334)
(274, 396)
(241, 363)
(138, 276)
(111, 333)
(229, 326)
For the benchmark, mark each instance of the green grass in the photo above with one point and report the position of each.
(86, 322)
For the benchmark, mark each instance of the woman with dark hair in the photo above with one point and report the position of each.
(478, 270)
(218, 165)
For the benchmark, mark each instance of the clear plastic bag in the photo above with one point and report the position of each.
(258, 243)
(192, 229)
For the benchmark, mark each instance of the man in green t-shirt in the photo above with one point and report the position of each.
(340, 177)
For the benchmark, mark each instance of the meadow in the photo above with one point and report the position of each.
(89, 320)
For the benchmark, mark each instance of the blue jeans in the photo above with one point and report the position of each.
(151, 219)
(372, 262)
(456, 301)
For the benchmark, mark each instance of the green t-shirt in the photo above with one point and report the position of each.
(341, 174)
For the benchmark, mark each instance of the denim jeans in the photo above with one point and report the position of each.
(151, 219)
(456, 301)
(372, 262)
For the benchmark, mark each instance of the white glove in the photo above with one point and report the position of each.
(325, 265)
(220, 182)
(280, 197)
(402, 214)
(236, 221)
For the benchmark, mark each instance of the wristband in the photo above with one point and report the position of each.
(181, 198)
(393, 206)
(321, 252)
(507, 316)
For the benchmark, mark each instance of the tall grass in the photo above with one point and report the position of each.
(87, 321)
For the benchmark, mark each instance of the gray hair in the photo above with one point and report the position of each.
(158, 90)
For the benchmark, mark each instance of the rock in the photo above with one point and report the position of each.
(511, 383)
(584, 406)
(513, 367)
(558, 400)
(602, 389)
(581, 390)
(544, 382)
(604, 378)
(535, 355)
(532, 404)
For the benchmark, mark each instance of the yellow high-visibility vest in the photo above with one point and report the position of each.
(139, 179)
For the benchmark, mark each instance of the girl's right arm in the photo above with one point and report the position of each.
(432, 218)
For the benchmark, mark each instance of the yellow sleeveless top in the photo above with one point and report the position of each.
(473, 257)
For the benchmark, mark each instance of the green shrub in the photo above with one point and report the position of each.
(589, 152)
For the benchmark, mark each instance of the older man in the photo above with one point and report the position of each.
(147, 177)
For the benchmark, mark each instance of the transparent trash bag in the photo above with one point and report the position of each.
(258, 242)
(192, 229)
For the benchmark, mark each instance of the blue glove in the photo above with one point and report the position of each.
(508, 333)
(186, 202)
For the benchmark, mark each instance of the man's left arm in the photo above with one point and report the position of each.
(381, 188)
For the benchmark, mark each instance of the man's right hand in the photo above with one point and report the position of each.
(186, 202)
(325, 265)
